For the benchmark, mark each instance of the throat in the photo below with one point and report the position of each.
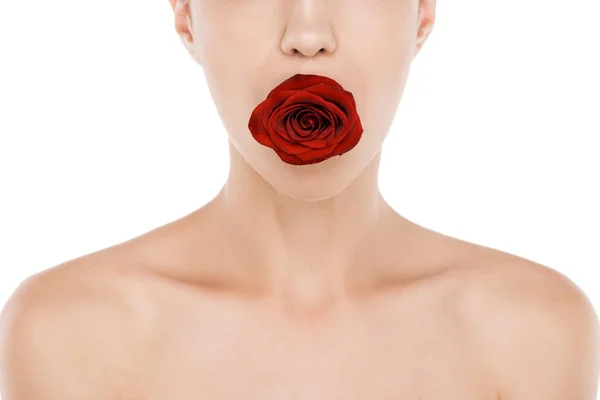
(308, 294)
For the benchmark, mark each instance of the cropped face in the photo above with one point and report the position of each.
(249, 47)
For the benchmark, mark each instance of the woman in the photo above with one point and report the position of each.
(298, 280)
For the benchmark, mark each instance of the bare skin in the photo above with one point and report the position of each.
(299, 282)
(162, 316)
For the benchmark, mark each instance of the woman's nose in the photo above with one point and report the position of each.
(309, 30)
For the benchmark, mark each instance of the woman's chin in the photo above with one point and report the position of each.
(313, 182)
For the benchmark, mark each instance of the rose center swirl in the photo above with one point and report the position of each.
(305, 122)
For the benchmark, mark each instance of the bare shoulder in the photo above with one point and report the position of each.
(67, 332)
(535, 328)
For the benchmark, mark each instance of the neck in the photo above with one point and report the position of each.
(301, 245)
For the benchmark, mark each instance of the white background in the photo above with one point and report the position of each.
(495, 140)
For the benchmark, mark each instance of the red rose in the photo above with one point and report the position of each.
(307, 119)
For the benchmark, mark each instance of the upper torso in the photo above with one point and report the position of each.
(150, 333)
(411, 344)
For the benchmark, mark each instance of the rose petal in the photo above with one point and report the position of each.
(342, 98)
(311, 138)
(302, 81)
(332, 108)
(295, 130)
(314, 153)
(306, 119)
(305, 97)
(257, 128)
(288, 158)
(325, 121)
(328, 129)
(351, 139)
(280, 139)
(316, 143)
(289, 113)
(288, 146)
(271, 105)
(278, 122)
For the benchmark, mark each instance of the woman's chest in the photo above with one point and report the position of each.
(229, 358)
(325, 380)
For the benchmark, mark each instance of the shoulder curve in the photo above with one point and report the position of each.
(57, 329)
(533, 323)
(514, 279)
